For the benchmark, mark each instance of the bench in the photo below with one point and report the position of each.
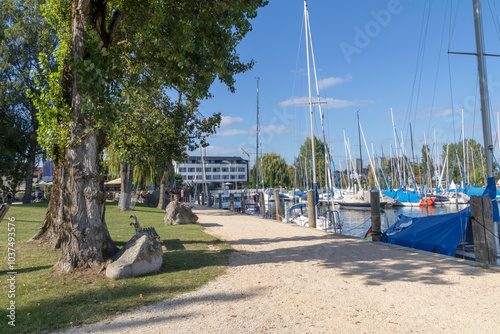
(149, 230)
(3, 210)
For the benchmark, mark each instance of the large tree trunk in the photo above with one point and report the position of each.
(126, 173)
(84, 237)
(162, 203)
(29, 175)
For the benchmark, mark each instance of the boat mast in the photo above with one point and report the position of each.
(483, 87)
(306, 18)
(360, 149)
(257, 135)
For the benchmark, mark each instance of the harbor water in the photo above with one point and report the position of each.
(356, 222)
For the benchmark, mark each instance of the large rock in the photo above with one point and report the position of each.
(141, 255)
(178, 213)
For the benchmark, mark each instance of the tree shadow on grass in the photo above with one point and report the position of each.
(24, 270)
(83, 299)
(86, 307)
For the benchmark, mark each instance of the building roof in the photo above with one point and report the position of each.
(214, 157)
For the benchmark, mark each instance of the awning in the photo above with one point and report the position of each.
(114, 182)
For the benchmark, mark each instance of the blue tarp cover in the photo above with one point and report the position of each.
(403, 196)
(440, 233)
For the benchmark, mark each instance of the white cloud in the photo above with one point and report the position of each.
(275, 129)
(232, 132)
(229, 120)
(218, 150)
(332, 81)
(445, 112)
(330, 102)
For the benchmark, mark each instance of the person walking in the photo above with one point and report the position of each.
(9, 198)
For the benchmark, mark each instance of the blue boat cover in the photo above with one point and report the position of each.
(439, 233)
(403, 196)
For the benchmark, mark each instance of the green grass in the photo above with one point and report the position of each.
(48, 300)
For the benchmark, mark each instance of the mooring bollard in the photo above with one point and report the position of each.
(277, 203)
(311, 209)
(375, 211)
(485, 248)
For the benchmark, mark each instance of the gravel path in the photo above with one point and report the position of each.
(290, 279)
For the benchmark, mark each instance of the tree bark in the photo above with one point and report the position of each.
(29, 174)
(84, 236)
(162, 203)
(127, 174)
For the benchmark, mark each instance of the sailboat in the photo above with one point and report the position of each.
(444, 233)
(296, 213)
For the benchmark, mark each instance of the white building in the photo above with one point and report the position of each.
(221, 171)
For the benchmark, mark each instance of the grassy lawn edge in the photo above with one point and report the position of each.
(47, 300)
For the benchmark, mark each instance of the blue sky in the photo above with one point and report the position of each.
(370, 56)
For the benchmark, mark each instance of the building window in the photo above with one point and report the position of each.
(208, 177)
(225, 170)
(190, 177)
(232, 177)
(216, 170)
(241, 170)
(233, 169)
(216, 177)
(225, 177)
(241, 177)
(208, 170)
(198, 170)
(191, 170)
(182, 170)
(183, 177)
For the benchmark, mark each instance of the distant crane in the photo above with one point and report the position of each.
(248, 154)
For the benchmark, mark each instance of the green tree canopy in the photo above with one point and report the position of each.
(24, 35)
(106, 49)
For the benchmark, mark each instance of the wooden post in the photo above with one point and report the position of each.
(231, 202)
(262, 205)
(277, 203)
(209, 199)
(375, 206)
(485, 247)
(202, 198)
(311, 209)
(199, 199)
(220, 200)
(242, 202)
